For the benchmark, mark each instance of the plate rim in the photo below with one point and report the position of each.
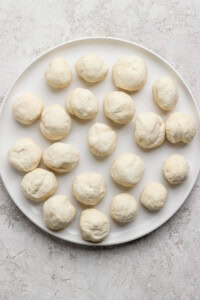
(141, 234)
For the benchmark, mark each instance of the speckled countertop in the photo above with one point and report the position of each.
(164, 265)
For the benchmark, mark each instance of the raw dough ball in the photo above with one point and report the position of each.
(58, 212)
(83, 104)
(119, 107)
(94, 225)
(91, 68)
(61, 157)
(25, 155)
(176, 169)
(129, 73)
(55, 123)
(89, 188)
(58, 73)
(165, 93)
(102, 139)
(39, 184)
(180, 128)
(149, 130)
(27, 108)
(127, 169)
(154, 196)
(123, 208)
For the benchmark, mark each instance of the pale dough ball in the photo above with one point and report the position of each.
(89, 188)
(127, 169)
(55, 122)
(176, 169)
(27, 108)
(154, 196)
(83, 104)
(102, 139)
(165, 93)
(39, 184)
(123, 208)
(61, 157)
(58, 73)
(94, 225)
(119, 107)
(58, 212)
(129, 73)
(91, 68)
(25, 155)
(180, 127)
(149, 130)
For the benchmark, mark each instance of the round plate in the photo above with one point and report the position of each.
(32, 79)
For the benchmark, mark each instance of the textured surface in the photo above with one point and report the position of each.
(163, 265)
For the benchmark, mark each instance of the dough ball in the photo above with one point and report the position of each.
(89, 188)
(176, 169)
(83, 104)
(61, 157)
(129, 73)
(91, 68)
(102, 139)
(55, 123)
(58, 212)
(154, 196)
(165, 93)
(180, 127)
(25, 155)
(58, 73)
(119, 107)
(149, 130)
(27, 108)
(123, 208)
(94, 225)
(127, 169)
(39, 184)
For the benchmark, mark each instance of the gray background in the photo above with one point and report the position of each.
(164, 265)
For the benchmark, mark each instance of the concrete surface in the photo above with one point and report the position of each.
(164, 265)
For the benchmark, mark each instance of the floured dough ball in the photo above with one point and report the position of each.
(27, 108)
(176, 169)
(119, 107)
(154, 196)
(25, 155)
(55, 122)
(94, 225)
(149, 130)
(129, 73)
(165, 93)
(89, 188)
(58, 73)
(61, 157)
(180, 127)
(39, 184)
(127, 169)
(102, 139)
(123, 208)
(83, 104)
(91, 68)
(58, 212)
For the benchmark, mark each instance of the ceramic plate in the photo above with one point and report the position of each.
(32, 79)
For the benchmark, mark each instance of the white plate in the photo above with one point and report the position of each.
(33, 79)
